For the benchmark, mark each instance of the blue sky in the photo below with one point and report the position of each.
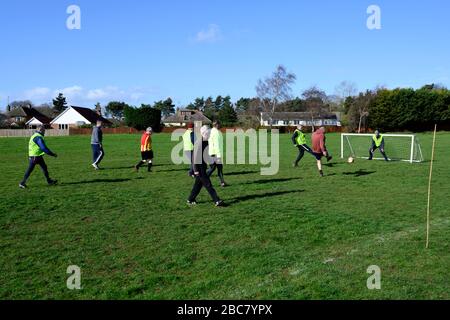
(142, 51)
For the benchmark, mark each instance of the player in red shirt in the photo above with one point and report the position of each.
(319, 147)
(146, 150)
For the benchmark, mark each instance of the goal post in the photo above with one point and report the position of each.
(398, 147)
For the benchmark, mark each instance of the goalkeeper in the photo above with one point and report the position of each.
(299, 140)
(377, 143)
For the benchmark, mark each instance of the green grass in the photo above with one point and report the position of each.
(290, 236)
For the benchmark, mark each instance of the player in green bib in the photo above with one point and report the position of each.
(215, 144)
(36, 151)
(299, 140)
(377, 143)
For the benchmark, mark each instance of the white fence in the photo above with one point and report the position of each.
(11, 133)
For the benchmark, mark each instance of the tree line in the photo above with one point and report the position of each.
(381, 108)
(401, 109)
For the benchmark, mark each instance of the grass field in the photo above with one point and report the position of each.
(290, 236)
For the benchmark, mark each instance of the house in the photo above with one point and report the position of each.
(74, 117)
(21, 115)
(291, 119)
(37, 121)
(185, 116)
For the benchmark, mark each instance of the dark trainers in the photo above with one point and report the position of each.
(220, 204)
(223, 185)
(22, 186)
(321, 173)
(191, 203)
(52, 182)
(136, 168)
(329, 158)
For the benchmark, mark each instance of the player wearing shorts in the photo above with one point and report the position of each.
(146, 150)
(319, 147)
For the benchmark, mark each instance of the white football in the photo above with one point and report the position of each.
(351, 160)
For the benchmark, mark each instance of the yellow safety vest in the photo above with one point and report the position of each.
(188, 146)
(215, 143)
(301, 138)
(378, 141)
(33, 148)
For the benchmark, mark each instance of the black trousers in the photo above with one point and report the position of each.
(33, 161)
(372, 151)
(188, 154)
(217, 164)
(202, 180)
(301, 152)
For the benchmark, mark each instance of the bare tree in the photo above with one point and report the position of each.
(360, 109)
(274, 90)
(346, 89)
(315, 101)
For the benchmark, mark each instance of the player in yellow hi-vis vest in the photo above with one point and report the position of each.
(299, 140)
(36, 151)
(377, 143)
(215, 144)
(188, 147)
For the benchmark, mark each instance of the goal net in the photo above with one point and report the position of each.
(398, 147)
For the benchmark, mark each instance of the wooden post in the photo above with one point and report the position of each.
(429, 189)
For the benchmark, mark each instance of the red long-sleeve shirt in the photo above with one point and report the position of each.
(318, 142)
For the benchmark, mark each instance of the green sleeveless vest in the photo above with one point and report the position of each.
(301, 138)
(188, 146)
(378, 141)
(33, 148)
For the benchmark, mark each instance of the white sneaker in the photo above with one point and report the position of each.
(95, 166)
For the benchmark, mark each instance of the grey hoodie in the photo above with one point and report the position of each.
(97, 135)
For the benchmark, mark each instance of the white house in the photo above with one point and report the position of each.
(74, 117)
(34, 122)
(292, 119)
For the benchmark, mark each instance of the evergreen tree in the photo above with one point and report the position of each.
(59, 103)
(210, 110)
(166, 107)
(227, 115)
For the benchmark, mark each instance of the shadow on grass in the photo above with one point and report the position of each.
(266, 181)
(130, 167)
(240, 173)
(98, 181)
(260, 196)
(359, 173)
(332, 164)
(177, 169)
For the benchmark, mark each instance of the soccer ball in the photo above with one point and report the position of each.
(351, 160)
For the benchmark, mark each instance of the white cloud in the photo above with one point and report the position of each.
(77, 95)
(211, 35)
(38, 93)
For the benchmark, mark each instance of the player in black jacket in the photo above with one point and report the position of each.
(201, 177)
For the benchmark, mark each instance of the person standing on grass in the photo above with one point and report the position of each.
(146, 150)
(215, 143)
(377, 143)
(36, 151)
(201, 177)
(188, 146)
(319, 148)
(299, 140)
(97, 145)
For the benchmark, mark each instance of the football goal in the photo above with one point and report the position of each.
(398, 147)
